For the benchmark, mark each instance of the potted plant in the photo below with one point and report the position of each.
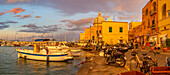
(164, 48)
(143, 47)
(152, 48)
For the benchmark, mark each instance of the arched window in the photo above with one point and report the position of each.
(164, 11)
(154, 6)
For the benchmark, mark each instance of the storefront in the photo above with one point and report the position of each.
(163, 39)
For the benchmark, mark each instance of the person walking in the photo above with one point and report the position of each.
(136, 44)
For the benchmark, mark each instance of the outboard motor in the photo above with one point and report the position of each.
(167, 61)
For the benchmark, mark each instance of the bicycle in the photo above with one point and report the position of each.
(135, 59)
(147, 61)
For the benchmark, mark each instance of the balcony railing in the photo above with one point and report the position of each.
(153, 26)
(153, 11)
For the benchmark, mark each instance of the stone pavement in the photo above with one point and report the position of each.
(98, 67)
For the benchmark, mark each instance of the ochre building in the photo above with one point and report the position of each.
(164, 20)
(150, 21)
(110, 32)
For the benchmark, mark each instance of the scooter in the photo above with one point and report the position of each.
(167, 61)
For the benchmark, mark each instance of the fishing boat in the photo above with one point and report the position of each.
(43, 54)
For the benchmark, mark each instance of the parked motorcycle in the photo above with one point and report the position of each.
(116, 56)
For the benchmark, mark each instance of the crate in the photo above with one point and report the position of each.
(160, 70)
(132, 73)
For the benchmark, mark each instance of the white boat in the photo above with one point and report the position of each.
(43, 55)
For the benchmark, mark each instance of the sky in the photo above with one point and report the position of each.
(26, 20)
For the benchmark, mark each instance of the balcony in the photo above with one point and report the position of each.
(153, 11)
(153, 26)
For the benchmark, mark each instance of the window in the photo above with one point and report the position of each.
(146, 12)
(92, 37)
(153, 22)
(154, 6)
(148, 23)
(110, 29)
(169, 13)
(100, 31)
(164, 28)
(164, 11)
(121, 29)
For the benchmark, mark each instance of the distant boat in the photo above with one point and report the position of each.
(16, 44)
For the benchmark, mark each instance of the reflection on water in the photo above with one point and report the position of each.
(10, 64)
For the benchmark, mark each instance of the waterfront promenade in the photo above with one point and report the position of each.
(98, 67)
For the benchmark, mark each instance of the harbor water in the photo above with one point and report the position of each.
(11, 64)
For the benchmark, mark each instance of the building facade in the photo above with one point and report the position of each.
(150, 21)
(164, 20)
(109, 32)
(131, 32)
(114, 32)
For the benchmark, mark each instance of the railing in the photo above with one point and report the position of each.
(153, 26)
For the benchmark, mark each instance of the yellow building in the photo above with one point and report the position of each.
(109, 32)
(82, 37)
(114, 32)
(164, 20)
(132, 26)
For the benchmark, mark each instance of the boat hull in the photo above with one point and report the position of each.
(44, 57)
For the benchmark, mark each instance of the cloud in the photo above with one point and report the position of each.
(129, 17)
(2, 13)
(17, 16)
(14, 10)
(39, 29)
(71, 7)
(4, 24)
(74, 29)
(25, 16)
(78, 23)
(30, 26)
(77, 28)
(14, 1)
(37, 16)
